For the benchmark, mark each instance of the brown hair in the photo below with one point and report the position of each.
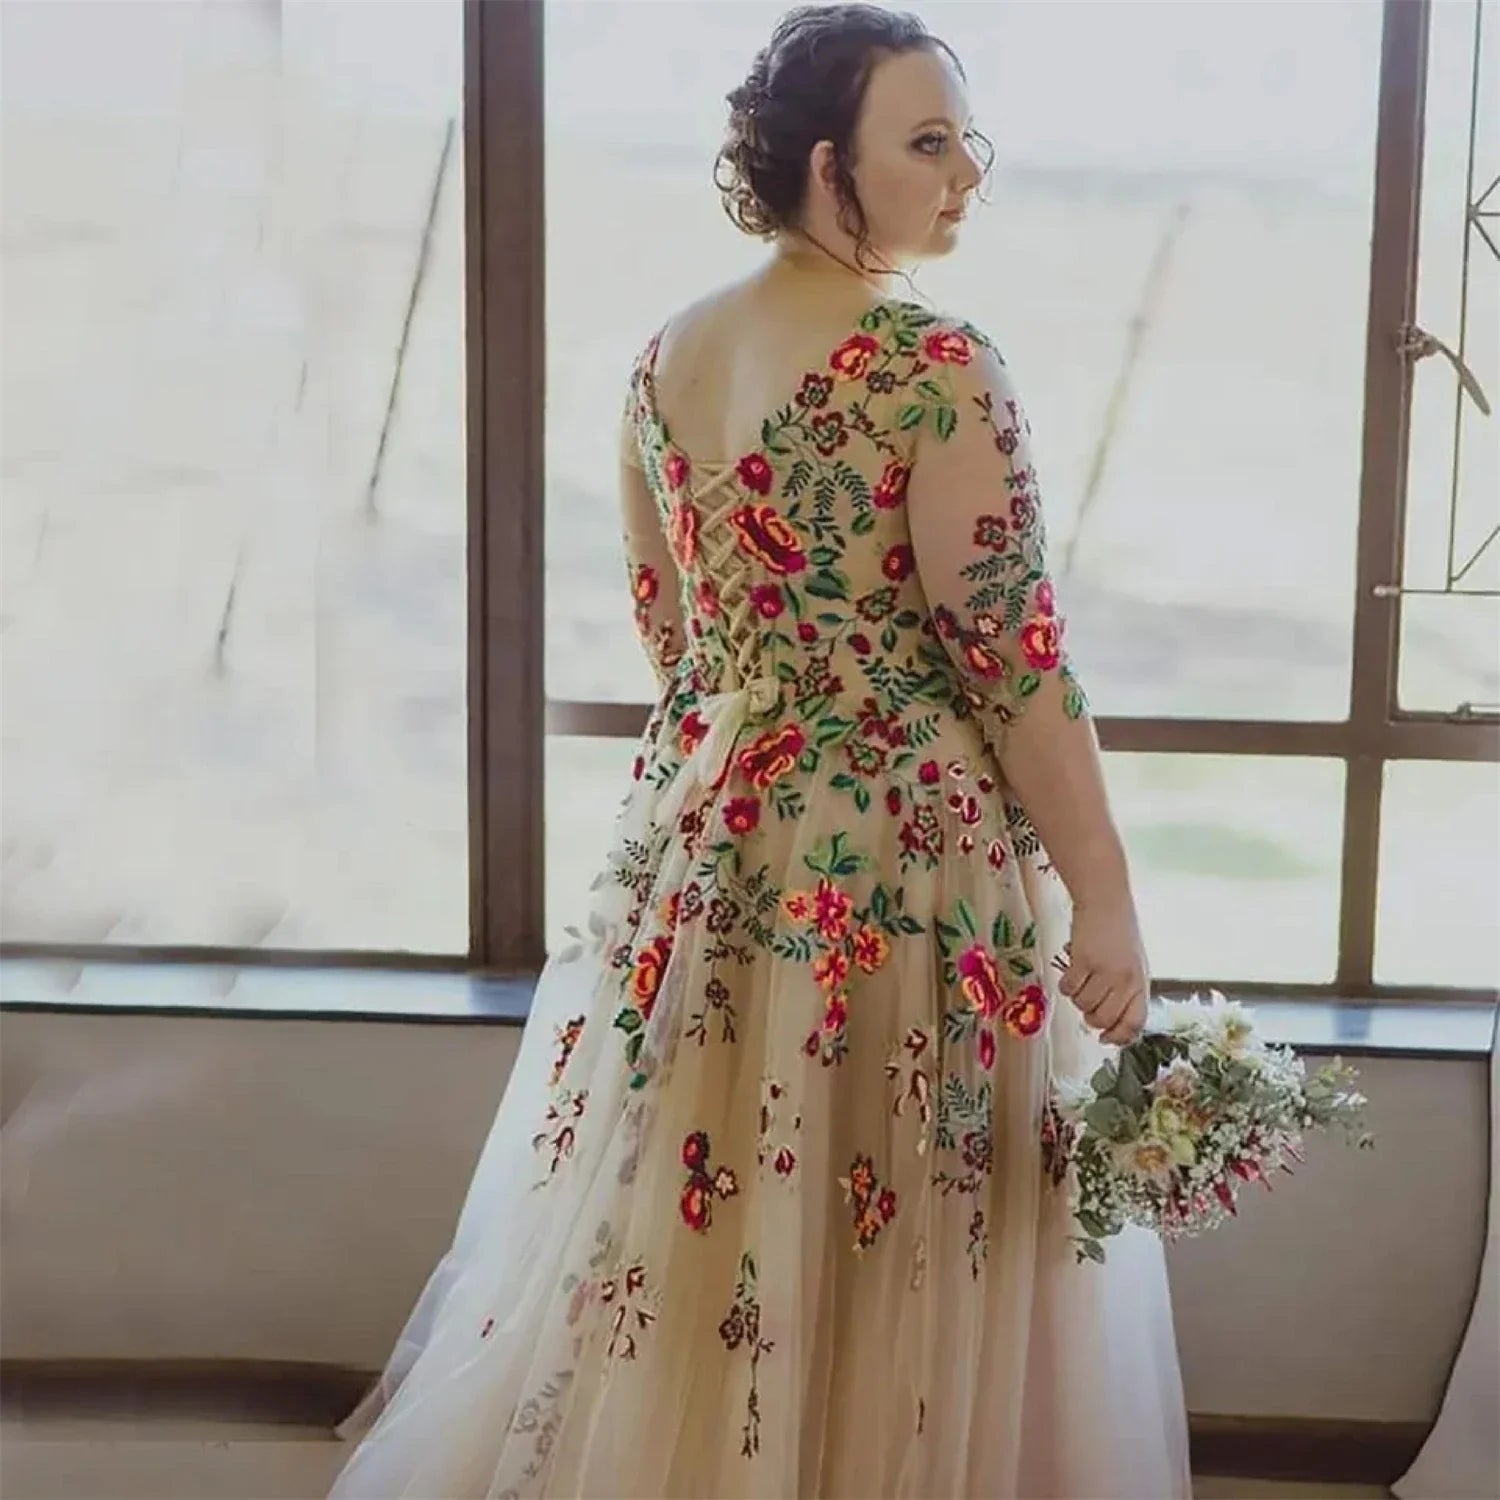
(807, 85)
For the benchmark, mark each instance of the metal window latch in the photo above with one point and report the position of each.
(1416, 343)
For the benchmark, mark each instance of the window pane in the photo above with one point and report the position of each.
(587, 779)
(1439, 914)
(1450, 646)
(1175, 260)
(233, 543)
(1236, 863)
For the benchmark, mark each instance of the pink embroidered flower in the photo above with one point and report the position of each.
(836, 1012)
(947, 347)
(767, 537)
(1025, 1014)
(691, 732)
(871, 948)
(807, 632)
(982, 661)
(676, 469)
(979, 979)
(929, 773)
(1046, 599)
(1041, 640)
(831, 970)
(707, 595)
(833, 908)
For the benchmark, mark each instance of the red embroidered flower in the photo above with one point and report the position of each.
(891, 490)
(697, 1204)
(947, 348)
(979, 979)
(851, 360)
(1025, 1014)
(647, 585)
(671, 911)
(786, 1162)
(691, 732)
(639, 768)
(995, 854)
(768, 538)
(859, 644)
(892, 800)
(831, 970)
(871, 948)
(707, 595)
(885, 1205)
(986, 1048)
(755, 473)
(767, 600)
(695, 1150)
(1046, 599)
(650, 965)
(1041, 640)
(990, 532)
(833, 908)
(1022, 512)
(741, 814)
(682, 529)
(807, 632)
(770, 757)
(828, 432)
(929, 773)
(676, 469)
(898, 563)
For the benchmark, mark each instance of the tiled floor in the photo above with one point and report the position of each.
(98, 1459)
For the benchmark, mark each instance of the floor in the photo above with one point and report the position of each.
(109, 1459)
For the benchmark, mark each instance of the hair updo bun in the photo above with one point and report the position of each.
(806, 86)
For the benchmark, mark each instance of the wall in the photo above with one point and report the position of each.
(218, 1188)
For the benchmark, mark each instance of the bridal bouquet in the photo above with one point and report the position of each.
(1163, 1135)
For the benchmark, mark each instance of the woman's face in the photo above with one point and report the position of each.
(912, 168)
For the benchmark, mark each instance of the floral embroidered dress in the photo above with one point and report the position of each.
(763, 1211)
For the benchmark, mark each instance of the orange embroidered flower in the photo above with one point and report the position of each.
(833, 908)
(831, 970)
(983, 661)
(1025, 1014)
(768, 539)
(770, 757)
(798, 905)
(979, 979)
(1041, 640)
(891, 490)
(754, 471)
(741, 814)
(947, 348)
(871, 948)
(851, 360)
(650, 965)
(676, 469)
(682, 533)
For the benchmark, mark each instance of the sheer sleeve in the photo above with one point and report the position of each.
(979, 541)
(652, 573)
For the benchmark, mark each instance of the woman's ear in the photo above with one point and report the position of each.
(824, 168)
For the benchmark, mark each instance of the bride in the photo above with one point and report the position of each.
(763, 1210)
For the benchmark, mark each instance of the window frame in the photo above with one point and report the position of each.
(510, 715)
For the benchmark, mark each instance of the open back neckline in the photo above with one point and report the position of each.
(730, 464)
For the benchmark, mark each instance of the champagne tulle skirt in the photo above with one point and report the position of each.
(765, 1216)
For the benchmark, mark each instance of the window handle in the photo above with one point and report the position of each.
(1416, 343)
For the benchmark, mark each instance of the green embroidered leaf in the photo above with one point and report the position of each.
(947, 422)
(863, 523)
(1028, 684)
(1019, 967)
(862, 797)
(823, 557)
(931, 389)
(828, 584)
(1005, 932)
(909, 417)
(966, 917)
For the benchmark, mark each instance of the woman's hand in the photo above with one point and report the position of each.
(1108, 977)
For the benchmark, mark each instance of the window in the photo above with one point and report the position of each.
(311, 406)
(234, 522)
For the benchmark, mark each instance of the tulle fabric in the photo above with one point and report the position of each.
(582, 1338)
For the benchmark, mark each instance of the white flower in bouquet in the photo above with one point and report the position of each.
(1176, 1080)
(1146, 1158)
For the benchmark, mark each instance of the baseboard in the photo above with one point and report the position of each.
(316, 1395)
(1316, 1449)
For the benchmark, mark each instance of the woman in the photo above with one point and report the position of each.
(763, 1211)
